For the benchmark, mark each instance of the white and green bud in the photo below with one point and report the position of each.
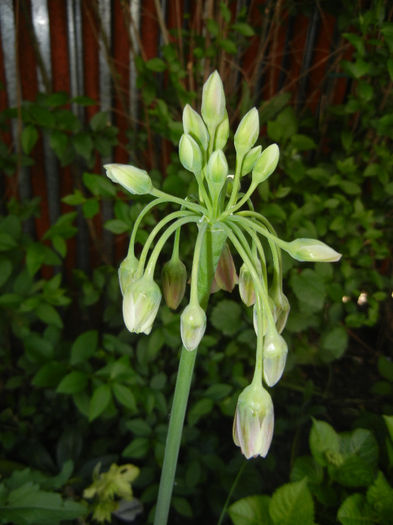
(247, 132)
(127, 271)
(250, 159)
(141, 301)
(213, 101)
(190, 154)
(133, 179)
(226, 276)
(216, 171)
(174, 279)
(266, 164)
(254, 421)
(246, 286)
(222, 133)
(192, 326)
(311, 250)
(193, 125)
(275, 352)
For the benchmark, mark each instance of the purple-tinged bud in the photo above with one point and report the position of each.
(266, 164)
(213, 101)
(226, 276)
(192, 326)
(193, 125)
(311, 250)
(275, 352)
(246, 286)
(141, 301)
(133, 179)
(190, 154)
(127, 271)
(254, 421)
(250, 159)
(247, 132)
(174, 279)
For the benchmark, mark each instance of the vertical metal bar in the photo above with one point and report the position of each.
(135, 10)
(307, 57)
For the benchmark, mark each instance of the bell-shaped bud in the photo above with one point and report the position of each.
(247, 132)
(127, 272)
(254, 421)
(226, 276)
(275, 352)
(250, 159)
(281, 309)
(266, 164)
(193, 125)
(222, 133)
(246, 286)
(190, 154)
(174, 279)
(141, 301)
(216, 172)
(264, 316)
(213, 101)
(192, 326)
(133, 179)
(311, 250)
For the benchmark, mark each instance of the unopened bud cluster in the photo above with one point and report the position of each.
(223, 194)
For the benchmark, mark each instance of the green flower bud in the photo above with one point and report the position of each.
(193, 125)
(255, 317)
(190, 154)
(246, 286)
(281, 309)
(311, 250)
(213, 101)
(222, 133)
(266, 164)
(254, 421)
(127, 272)
(226, 276)
(247, 132)
(250, 159)
(275, 352)
(217, 169)
(133, 179)
(174, 279)
(192, 326)
(140, 305)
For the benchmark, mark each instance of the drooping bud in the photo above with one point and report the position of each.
(264, 316)
(275, 352)
(222, 133)
(174, 279)
(254, 421)
(140, 305)
(127, 271)
(226, 276)
(311, 250)
(250, 159)
(193, 125)
(213, 101)
(133, 179)
(192, 326)
(266, 164)
(247, 132)
(246, 286)
(281, 309)
(190, 154)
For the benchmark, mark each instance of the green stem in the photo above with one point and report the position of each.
(213, 242)
(183, 202)
(235, 482)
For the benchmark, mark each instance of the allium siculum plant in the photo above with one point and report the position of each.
(224, 220)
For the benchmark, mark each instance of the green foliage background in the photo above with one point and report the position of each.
(78, 389)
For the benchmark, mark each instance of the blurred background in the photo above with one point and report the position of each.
(86, 82)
